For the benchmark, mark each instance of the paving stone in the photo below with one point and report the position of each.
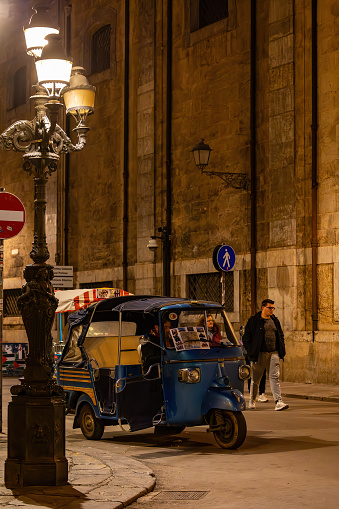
(111, 480)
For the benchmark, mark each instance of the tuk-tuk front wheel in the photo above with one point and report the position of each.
(229, 428)
(91, 427)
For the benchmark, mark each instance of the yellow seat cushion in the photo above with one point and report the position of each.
(105, 350)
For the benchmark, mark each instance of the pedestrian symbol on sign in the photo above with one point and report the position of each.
(224, 258)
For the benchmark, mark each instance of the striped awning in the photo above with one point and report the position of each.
(72, 300)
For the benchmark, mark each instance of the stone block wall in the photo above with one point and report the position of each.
(210, 100)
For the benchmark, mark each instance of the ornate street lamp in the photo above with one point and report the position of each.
(202, 152)
(40, 25)
(36, 414)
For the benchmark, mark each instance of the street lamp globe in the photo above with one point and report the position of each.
(201, 153)
(79, 96)
(39, 26)
(53, 68)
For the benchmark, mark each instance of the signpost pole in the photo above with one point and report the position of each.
(223, 288)
(1, 316)
(1, 312)
(12, 220)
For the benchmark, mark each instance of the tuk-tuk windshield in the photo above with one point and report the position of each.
(210, 326)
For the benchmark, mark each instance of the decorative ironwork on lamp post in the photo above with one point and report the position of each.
(36, 415)
(202, 153)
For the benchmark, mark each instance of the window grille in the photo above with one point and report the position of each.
(208, 287)
(19, 87)
(97, 284)
(101, 49)
(10, 302)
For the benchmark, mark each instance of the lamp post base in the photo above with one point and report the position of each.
(36, 442)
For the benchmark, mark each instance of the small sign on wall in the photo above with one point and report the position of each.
(63, 276)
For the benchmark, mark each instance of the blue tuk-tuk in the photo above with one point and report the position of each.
(154, 361)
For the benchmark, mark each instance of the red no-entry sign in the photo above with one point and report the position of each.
(12, 215)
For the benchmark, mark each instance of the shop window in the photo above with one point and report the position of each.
(207, 12)
(101, 49)
(19, 87)
(208, 287)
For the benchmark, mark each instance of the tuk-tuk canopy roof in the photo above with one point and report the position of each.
(130, 303)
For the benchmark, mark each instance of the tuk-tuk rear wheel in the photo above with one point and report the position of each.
(234, 429)
(91, 427)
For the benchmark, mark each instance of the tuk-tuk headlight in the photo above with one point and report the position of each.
(189, 375)
(244, 372)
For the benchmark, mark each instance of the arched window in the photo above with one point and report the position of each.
(101, 49)
(19, 87)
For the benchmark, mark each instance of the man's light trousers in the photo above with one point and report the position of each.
(271, 362)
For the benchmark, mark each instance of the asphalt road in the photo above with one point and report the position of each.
(290, 459)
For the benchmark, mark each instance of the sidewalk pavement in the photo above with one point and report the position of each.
(110, 479)
(94, 481)
(319, 392)
(307, 390)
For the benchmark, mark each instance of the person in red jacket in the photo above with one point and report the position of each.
(213, 330)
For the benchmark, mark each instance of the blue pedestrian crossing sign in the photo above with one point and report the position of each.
(224, 258)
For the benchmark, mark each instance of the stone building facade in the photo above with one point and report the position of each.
(258, 80)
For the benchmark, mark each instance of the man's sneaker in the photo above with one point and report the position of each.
(251, 404)
(280, 405)
(262, 398)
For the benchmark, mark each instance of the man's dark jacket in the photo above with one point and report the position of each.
(254, 335)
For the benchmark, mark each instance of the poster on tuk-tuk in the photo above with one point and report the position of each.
(188, 338)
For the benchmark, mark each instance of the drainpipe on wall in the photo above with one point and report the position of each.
(314, 170)
(167, 244)
(253, 160)
(126, 148)
(155, 134)
(68, 13)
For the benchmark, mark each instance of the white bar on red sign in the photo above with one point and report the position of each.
(11, 215)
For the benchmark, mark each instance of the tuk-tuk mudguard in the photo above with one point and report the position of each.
(81, 401)
(224, 399)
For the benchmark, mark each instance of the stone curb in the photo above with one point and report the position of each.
(129, 478)
(328, 399)
(93, 481)
(301, 395)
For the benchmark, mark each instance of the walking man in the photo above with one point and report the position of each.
(265, 345)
